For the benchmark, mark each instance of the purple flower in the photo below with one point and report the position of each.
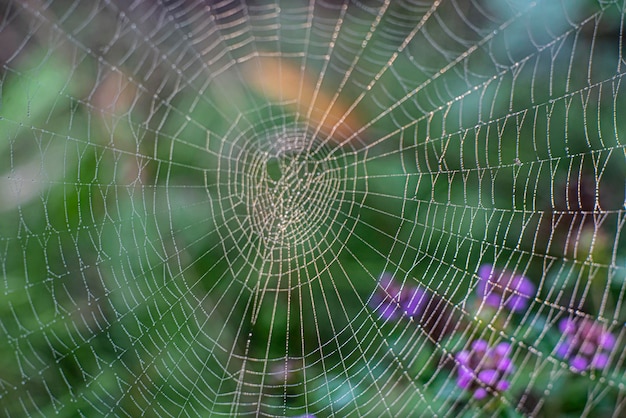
(586, 345)
(391, 300)
(503, 288)
(483, 369)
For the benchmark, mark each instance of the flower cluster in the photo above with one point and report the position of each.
(391, 300)
(484, 369)
(502, 288)
(586, 344)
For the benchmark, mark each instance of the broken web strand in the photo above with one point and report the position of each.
(410, 208)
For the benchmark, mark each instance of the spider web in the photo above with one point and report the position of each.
(220, 207)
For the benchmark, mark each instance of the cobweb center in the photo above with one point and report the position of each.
(291, 188)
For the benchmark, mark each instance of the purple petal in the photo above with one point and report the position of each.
(414, 306)
(463, 357)
(563, 349)
(600, 361)
(465, 379)
(481, 289)
(607, 341)
(480, 393)
(480, 345)
(488, 377)
(502, 349)
(485, 271)
(566, 325)
(503, 385)
(494, 300)
(579, 363)
(517, 303)
(524, 286)
(388, 310)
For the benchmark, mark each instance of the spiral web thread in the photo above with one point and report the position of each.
(220, 207)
